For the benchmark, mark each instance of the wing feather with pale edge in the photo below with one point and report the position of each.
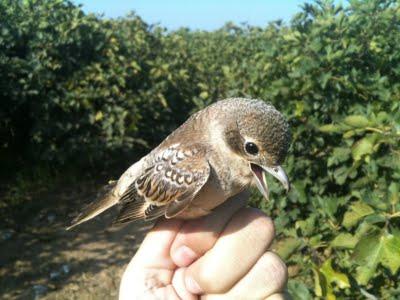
(171, 182)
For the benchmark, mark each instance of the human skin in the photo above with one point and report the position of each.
(220, 256)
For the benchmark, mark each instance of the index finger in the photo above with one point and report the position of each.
(155, 248)
(198, 236)
(243, 241)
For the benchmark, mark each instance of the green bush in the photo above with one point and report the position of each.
(79, 89)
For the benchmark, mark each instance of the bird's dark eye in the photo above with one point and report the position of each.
(251, 148)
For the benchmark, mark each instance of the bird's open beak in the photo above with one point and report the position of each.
(260, 173)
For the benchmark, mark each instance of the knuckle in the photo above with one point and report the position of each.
(213, 285)
(210, 279)
(263, 225)
(182, 239)
(274, 270)
(199, 242)
(202, 277)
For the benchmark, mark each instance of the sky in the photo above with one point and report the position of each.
(197, 14)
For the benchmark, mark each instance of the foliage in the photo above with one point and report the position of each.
(78, 88)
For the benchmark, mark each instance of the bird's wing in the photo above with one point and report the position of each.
(168, 185)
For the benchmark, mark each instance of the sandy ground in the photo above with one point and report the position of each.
(41, 260)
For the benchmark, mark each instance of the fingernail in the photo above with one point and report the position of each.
(184, 256)
(192, 286)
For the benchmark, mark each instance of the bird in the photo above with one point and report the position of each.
(220, 151)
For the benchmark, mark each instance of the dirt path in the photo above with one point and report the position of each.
(43, 261)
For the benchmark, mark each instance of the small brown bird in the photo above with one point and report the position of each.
(217, 153)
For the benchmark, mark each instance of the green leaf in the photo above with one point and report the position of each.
(339, 155)
(298, 290)
(284, 248)
(319, 283)
(204, 95)
(98, 116)
(367, 255)
(378, 247)
(325, 78)
(356, 121)
(391, 252)
(163, 100)
(350, 133)
(306, 226)
(333, 276)
(322, 287)
(375, 218)
(362, 147)
(340, 175)
(364, 273)
(226, 70)
(394, 193)
(364, 229)
(135, 65)
(357, 211)
(344, 240)
(329, 128)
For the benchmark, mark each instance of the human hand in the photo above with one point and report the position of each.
(220, 256)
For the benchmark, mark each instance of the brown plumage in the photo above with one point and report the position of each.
(217, 153)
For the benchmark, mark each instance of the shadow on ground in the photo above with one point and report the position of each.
(44, 261)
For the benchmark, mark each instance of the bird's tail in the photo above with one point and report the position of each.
(104, 202)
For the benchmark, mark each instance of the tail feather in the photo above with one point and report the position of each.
(95, 208)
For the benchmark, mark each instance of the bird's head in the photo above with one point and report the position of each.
(261, 136)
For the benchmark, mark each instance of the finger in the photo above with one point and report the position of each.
(267, 277)
(179, 285)
(198, 236)
(279, 296)
(155, 249)
(150, 271)
(241, 244)
(147, 284)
